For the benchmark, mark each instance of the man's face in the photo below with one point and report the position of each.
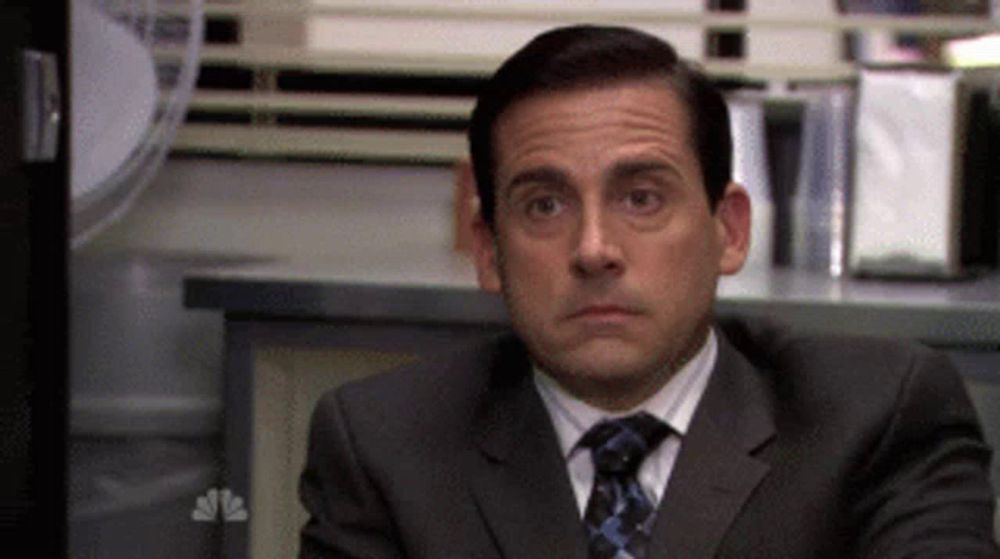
(605, 248)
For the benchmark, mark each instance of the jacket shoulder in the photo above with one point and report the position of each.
(840, 358)
(418, 404)
(834, 379)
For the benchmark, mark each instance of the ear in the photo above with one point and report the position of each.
(484, 251)
(732, 218)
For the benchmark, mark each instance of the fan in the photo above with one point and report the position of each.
(133, 69)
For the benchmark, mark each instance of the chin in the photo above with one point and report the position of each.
(603, 360)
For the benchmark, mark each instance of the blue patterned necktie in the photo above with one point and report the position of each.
(619, 516)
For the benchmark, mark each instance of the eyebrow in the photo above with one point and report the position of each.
(627, 169)
(545, 174)
(554, 177)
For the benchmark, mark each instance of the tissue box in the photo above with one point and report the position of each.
(927, 166)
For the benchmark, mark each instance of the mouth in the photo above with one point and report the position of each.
(603, 312)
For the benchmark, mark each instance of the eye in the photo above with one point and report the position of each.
(640, 200)
(543, 207)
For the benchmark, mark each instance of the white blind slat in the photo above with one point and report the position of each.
(277, 141)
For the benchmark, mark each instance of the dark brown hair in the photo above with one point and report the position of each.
(583, 56)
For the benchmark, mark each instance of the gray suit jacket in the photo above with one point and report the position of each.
(801, 447)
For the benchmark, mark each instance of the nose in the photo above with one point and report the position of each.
(597, 253)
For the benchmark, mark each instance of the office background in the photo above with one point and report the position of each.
(319, 146)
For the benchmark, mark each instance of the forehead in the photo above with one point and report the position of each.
(643, 114)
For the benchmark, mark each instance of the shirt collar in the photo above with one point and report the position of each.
(674, 403)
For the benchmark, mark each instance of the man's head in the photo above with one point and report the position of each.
(585, 56)
(597, 224)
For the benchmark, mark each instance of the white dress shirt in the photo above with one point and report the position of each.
(674, 404)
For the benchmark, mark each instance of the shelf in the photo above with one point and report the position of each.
(438, 288)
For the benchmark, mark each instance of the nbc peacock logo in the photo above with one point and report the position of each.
(219, 504)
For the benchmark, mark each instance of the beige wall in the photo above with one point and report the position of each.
(272, 208)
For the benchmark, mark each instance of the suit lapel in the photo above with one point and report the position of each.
(519, 479)
(715, 472)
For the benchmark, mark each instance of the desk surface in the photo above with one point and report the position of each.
(439, 287)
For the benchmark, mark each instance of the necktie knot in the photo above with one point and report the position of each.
(618, 446)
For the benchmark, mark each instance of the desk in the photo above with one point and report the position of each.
(295, 329)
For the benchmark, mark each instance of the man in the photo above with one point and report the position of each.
(620, 419)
